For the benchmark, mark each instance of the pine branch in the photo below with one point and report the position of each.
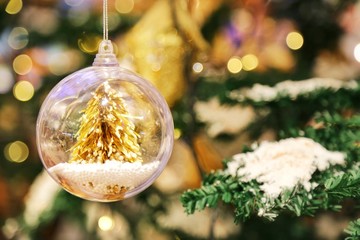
(345, 185)
(353, 230)
(279, 113)
(248, 200)
(333, 185)
(229, 90)
(222, 187)
(215, 187)
(334, 132)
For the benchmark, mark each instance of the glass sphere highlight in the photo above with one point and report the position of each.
(104, 133)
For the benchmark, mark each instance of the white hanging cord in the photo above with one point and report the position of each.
(105, 55)
(105, 20)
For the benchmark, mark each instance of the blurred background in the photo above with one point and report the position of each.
(195, 52)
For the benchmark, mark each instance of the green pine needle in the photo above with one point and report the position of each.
(334, 184)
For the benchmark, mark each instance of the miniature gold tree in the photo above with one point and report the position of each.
(105, 132)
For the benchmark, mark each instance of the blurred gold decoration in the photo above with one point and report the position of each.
(181, 172)
(141, 6)
(201, 9)
(274, 56)
(159, 44)
(43, 20)
(105, 131)
(208, 157)
(256, 34)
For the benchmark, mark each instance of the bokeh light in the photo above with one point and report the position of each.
(78, 17)
(294, 40)
(16, 152)
(11, 228)
(234, 65)
(59, 63)
(198, 67)
(6, 79)
(177, 133)
(155, 66)
(89, 43)
(250, 62)
(43, 20)
(74, 3)
(18, 38)
(14, 6)
(22, 64)
(124, 6)
(105, 223)
(357, 52)
(114, 21)
(23, 91)
(61, 60)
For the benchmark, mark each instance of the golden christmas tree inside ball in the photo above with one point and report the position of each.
(103, 132)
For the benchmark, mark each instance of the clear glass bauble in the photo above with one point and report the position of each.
(104, 133)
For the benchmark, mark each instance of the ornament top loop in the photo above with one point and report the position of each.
(106, 47)
(106, 56)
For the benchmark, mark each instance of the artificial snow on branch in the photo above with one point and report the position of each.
(290, 88)
(300, 175)
(283, 165)
(223, 119)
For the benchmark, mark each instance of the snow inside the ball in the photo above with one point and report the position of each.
(283, 165)
(104, 178)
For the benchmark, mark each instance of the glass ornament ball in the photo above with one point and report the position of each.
(104, 133)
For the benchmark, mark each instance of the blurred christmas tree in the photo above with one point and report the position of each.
(224, 68)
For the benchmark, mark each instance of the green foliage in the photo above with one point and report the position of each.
(287, 115)
(222, 187)
(353, 230)
(345, 185)
(248, 200)
(284, 114)
(321, 115)
(334, 185)
(334, 132)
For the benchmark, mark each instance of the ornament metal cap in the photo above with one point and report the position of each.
(105, 57)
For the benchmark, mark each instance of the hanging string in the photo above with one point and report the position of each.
(105, 21)
(105, 56)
